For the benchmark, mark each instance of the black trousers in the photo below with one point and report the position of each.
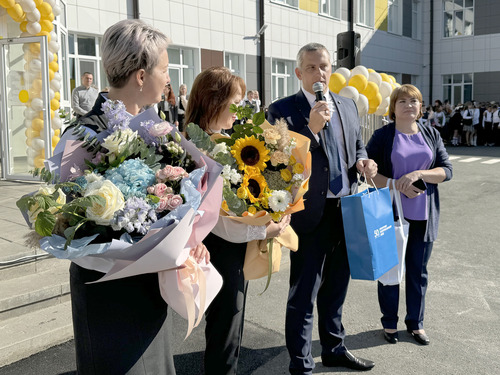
(120, 326)
(225, 315)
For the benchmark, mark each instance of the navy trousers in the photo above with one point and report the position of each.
(225, 315)
(319, 269)
(418, 253)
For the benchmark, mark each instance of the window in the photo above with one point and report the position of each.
(283, 79)
(84, 57)
(292, 3)
(394, 16)
(235, 63)
(457, 88)
(416, 19)
(330, 8)
(458, 19)
(181, 68)
(366, 15)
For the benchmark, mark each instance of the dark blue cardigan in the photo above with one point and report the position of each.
(379, 148)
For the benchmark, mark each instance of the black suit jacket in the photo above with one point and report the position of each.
(295, 110)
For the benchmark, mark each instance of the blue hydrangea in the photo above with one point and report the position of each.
(132, 177)
(136, 216)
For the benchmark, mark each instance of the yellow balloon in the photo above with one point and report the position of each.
(29, 141)
(54, 104)
(370, 70)
(57, 132)
(55, 57)
(337, 82)
(24, 96)
(359, 82)
(393, 80)
(37, 84)
(47, 25)
(54, 66)
(23, 25)
(52, 114)
(50, 17)
(40, 115)
(35, 48)
(7, 3)
(371, 90)
(45, 9)
(385, 77)
(37, 124)
(375, 101)
(55, 140)
(16, 12)
(31, 133)
(57, 95)
(38, 2)
(51, 74)
(49, 37)
(39, 161)
(372, 110)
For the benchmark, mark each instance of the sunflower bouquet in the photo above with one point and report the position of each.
(265, 172)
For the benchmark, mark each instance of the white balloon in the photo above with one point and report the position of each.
(56, 123)
(26, 47)
(381, 110)
(362, 104)
(385, 89)
(53, 36)
(31, 162)
(349, 92)
(27, 123)
(385, 102)
(52, 94)
(50, 56)
(31, 153)
(53, 46)
(38, 144)
(375, 77)
(35, 65)
(25, 34)
(33, 28)
(30, 114)
(51, 2)
(360, 69)
(27, 5)
(55, 85)
(37, 104)
(33, 16)
(57, 76)
(56, 9)
(345, 72)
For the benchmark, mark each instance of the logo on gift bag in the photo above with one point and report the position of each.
(381, 231)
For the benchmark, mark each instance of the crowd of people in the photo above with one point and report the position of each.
(470, 124)
(120, 326)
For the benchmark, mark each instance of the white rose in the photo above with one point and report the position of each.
(103, 215)
(118, 141)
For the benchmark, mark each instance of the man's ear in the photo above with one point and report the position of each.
(298, 73)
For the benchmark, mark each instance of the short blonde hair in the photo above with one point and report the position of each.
(130, 45)
(408, 90)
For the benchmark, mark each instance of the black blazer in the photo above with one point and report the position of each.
(295, 110)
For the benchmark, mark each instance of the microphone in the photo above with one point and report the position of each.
(318, 90)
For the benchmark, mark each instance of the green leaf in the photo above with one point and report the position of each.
(162, 115)
(70, 232)
(233, 108)
(25, 203)
(259, 118)
(199, 137)
(44, 224)
(258, 130)
(234, 203)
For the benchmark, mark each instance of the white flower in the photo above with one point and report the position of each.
(219, 147)
(103, 215)
(118, 141)
(231, 175)
(298, 177)
(93, 177)
(279, 200)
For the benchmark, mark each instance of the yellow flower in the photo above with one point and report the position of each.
(279, 157)
(250, 153)
(224, 205)
(252, 210)
(271, 136)
(276, 216)
(298, 168)
(286, 175)
(292, 160)
(242, 193)
(255, 185)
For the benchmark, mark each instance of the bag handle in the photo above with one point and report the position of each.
(396, 195)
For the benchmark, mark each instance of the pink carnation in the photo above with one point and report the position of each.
(160, 190)
(178, 174)
(161, 129)
(175, 202)
(163, 204)
(165, 174)
(151, 189)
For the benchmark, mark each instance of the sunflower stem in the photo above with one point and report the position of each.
(269, 263)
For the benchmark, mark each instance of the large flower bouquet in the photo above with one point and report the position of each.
(265, 173)
(125, 201)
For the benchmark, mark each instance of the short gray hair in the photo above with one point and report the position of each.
(130, 45)
(310, 47)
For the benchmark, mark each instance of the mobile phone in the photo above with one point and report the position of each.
(420, 184)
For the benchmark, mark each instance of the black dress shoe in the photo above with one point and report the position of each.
(421, 338)
(348, 360)
(392, 338)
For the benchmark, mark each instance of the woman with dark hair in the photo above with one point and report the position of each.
(213, 91)
(410, 153)
(168, 107)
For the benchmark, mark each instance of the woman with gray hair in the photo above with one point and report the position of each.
(120, 326)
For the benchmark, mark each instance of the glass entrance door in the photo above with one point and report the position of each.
(25, 129)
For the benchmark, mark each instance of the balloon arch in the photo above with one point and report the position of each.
(35, 18)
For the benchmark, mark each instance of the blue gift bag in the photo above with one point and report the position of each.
(369, 233)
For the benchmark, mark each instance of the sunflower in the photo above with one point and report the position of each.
(255, 185)
(250, 153)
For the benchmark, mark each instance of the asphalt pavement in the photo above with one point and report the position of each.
(462, 307)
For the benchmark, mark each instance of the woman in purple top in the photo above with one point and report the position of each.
(407, 152)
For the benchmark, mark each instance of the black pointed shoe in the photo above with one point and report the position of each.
(391, 338)
(421, 338)
(348, 360)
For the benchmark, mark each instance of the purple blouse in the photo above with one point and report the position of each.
(411, 153)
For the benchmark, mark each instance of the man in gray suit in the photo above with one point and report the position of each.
(320, 268)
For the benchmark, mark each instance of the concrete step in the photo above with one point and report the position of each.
(26, 294)
(28, 334)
